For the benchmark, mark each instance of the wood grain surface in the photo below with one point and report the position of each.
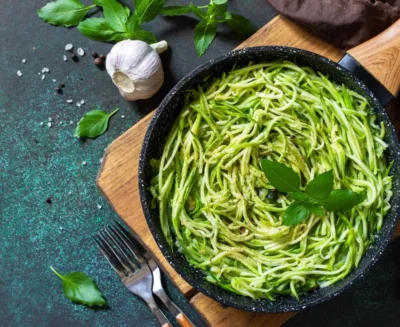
(117, 180)
(381, 57)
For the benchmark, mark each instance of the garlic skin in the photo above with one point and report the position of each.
(136, 69)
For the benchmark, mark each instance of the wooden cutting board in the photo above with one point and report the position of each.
(117, 180)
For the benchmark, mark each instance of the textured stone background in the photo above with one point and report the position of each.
(39, 162)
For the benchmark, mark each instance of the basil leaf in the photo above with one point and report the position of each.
(342, 200)
(204, 34)
(100, 30)
(299, 196)
(321, 186)
(64, 12)
(316, 209)
(144, 35)
(295, 213)
(147, 10)
(80, 288)
(176, 10)
(115, 14)
(198, 12)
(240, 24)
(283, 178)
(93, 123)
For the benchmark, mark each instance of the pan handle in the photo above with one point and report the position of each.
(381, 57)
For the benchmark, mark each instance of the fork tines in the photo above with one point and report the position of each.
(119, 249)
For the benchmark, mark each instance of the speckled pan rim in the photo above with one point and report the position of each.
(224, 296)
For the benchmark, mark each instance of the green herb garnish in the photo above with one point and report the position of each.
(64, 12)
(93, 123)
(318, 193)
(117, 24)
(80, 288)
(215, 13)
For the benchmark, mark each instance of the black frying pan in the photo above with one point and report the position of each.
(377, 96)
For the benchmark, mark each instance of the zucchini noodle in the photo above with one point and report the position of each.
(217, 207)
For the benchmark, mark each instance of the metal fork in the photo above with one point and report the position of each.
(130, 268)
(158, 289)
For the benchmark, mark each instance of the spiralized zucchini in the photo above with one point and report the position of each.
(217, 207)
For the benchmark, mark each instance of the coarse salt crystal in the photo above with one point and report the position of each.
(99, 207)
(49, 124)
(69, 47)
(101, 160)
(82, 102)
(80, 52)
(45, 70)
(70, 101)
(70, 192)
(54, 80)
(43, 77)
(19, 73)
(65, 58)
(23, 61)
(61, 228)
(60, 122)
(41, 123)
(84, 163)
(50, 119)
(78, 104)
(122, 116)
(71, 122)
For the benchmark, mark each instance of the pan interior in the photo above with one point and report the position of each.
(162, 123)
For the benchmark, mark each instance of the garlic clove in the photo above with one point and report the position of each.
(136, 69)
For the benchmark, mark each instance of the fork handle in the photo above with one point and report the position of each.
(158, 313)
(182, 319)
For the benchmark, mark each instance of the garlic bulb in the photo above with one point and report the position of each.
(135, 68)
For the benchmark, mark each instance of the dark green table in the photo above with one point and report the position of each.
(38, 163)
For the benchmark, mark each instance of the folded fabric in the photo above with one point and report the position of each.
(344, 23)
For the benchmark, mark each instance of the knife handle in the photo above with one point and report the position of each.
(381, 57)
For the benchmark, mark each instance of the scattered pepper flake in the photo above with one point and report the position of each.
(74, 57)
(48, 200)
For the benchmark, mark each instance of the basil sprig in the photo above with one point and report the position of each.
(80, 288)
(117, 24)
(318, 195)
(215, 13)
(64, 12)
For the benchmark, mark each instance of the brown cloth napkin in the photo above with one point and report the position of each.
(344, 23)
